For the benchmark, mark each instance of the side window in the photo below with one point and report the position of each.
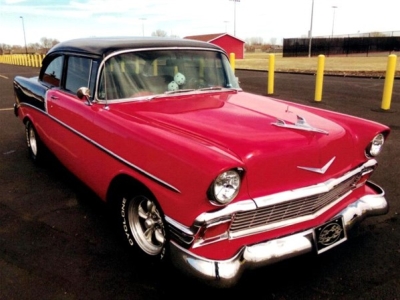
(52, 74)
(78, 73)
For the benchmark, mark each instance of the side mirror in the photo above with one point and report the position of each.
(83, 93)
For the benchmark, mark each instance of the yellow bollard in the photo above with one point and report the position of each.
(271, 74)
(320, 78)
(389, 79)
(37, 60)
(232, 61)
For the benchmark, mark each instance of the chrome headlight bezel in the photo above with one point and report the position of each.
(225, 187)
(374, 148)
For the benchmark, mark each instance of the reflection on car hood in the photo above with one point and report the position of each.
(262, 132)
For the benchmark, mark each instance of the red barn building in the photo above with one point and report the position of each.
(226, 41)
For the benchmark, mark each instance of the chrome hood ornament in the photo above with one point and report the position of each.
(319, 170)
(301, 124)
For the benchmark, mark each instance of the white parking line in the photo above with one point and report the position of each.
(2, 76)
(6, 109)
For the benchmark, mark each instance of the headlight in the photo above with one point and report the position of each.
(375, 147)
(225, 187)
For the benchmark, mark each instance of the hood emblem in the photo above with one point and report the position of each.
(301, 124)
(319, 170)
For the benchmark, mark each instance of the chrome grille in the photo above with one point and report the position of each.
(291, 209)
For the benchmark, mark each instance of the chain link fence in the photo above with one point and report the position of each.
(360, 43)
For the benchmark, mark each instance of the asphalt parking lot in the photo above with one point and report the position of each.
(56, 242)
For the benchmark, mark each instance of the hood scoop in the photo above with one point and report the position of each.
(301, 124)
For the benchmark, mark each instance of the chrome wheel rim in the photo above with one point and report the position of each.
(32, 141)
(146, 225)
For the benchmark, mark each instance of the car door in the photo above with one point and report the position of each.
(72, 117)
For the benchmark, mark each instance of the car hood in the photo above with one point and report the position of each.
(277, 156)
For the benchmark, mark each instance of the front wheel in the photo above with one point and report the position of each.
(142, 224)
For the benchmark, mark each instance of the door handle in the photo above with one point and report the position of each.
(54, 97)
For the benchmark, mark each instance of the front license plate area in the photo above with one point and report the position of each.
(329, 235)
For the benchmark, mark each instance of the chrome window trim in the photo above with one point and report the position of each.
(104, 149)
(103, 61)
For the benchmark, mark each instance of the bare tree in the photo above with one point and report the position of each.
(254, 41)
(48, 43)
(4, 48)
(160, 33)
(42, 47)
(34, 47)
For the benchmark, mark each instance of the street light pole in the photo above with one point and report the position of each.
(333, 19)
(23, 28)
(143, 19)
(310, 32)
(226, 28)
(234, 16)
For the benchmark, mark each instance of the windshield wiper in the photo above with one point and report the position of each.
(217, 88)
(151, 97)
(211, 88)
(178, 91)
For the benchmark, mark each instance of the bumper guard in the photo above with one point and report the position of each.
(227, 272)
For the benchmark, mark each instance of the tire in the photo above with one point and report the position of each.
(143, 225)
(35, 146)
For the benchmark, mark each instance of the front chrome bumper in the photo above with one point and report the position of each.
(227, 272)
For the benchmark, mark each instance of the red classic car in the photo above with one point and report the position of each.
(195, 169)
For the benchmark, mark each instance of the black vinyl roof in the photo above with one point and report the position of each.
(104, 46)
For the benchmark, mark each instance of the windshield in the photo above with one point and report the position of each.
(138, 74)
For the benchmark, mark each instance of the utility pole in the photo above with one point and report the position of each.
(310, 32)
(143, 19)
(234, 16)
(23, 28)
(333, 19)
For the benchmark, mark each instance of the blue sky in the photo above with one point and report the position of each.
(67, 19)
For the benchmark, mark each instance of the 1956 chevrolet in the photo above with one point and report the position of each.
(195, 169)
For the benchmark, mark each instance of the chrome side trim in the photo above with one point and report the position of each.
(111, 153)
(225, 273)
